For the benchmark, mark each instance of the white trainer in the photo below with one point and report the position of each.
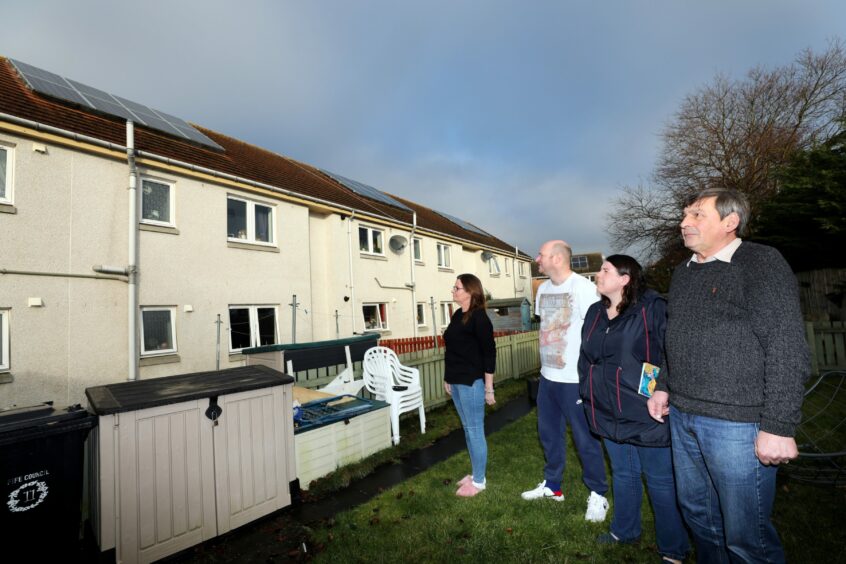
(597, 508)
(541, 492)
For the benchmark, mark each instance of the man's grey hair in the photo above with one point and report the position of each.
(727, 201)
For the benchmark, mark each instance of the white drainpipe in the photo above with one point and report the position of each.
(413, 284)
(514, 269)
(132, 268)
(352, 276)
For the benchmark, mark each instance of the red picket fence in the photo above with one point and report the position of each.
(415, 344)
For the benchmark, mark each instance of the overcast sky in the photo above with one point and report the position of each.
(525, 117)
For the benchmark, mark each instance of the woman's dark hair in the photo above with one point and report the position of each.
(472, 286)
(632, 291)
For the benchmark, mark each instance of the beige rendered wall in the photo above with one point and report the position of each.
(201, 274)
(70, 214)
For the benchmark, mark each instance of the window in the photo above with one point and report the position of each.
(370, 241)
(157, 330)
(579, 262)
(251, 326)
(421, 314)
(443, 256)
(249, 221)
(6, 154)
(506, 261)
(447, 309)
(417, 248)
(493, 266)
(375, 316)
(156, 202)
(520, 271)
(4, 339)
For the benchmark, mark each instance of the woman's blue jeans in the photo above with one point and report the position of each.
(628, 464)
(725, 493)
(470, 403)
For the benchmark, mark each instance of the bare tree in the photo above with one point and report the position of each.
(734, 133)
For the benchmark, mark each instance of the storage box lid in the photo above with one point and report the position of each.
(141, 394)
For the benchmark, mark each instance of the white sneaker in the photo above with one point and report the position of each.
(597, 507)
(541, 491)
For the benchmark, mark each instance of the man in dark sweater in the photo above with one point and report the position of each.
(736, 364)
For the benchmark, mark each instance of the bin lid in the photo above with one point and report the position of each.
(40, 415)
(141, 394)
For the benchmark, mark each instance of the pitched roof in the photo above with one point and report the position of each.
(238, 158)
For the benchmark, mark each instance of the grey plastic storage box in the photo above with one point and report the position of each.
(179, 460)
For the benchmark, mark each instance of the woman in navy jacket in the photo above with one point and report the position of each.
(622, 335)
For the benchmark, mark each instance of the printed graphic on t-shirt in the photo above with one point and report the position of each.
(555, 313)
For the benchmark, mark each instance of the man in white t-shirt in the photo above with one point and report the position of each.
(562, 302)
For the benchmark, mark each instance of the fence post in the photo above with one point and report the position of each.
(515, 364)
(812, 346)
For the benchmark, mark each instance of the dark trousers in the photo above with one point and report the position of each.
(559, 405)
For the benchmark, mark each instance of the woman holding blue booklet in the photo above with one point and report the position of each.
(622, 347)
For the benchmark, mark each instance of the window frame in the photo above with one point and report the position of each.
(493, 266)
(417, 249)
(521, 269)
(371, 232)
(381, 308)
(420, 308)
(254, 324)
(447, 311)
(5, 341)
(251, 221)
(583, 262)
(8, 189)
(505, 262)
(171, 202)
(143, 352)
(444, 252)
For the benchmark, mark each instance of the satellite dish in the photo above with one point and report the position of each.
(398, 243)
(486, 256)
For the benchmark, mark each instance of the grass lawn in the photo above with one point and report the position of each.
(422, 520)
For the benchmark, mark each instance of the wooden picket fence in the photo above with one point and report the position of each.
(516, 356)
(827, 341)
(417, 344)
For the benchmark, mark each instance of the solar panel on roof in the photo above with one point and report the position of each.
(185, 128)
(104, 101)
(463, 224)
(367, 191)
(56, 90)
(55, 86)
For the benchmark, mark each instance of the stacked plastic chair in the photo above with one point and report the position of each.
(394, 383)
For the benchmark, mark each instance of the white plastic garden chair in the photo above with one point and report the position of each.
(398, 385)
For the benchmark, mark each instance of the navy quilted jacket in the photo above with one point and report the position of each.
(610, 364)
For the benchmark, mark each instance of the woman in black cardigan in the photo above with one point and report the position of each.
(622, 340)
(470, 362)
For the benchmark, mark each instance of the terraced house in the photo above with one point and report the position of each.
(135, 245)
